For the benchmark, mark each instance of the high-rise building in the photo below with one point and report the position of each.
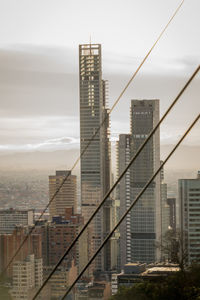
(95, 158)
(66, 197)
(10, 242)
(165, 209)
(146, 214)
(189, 216)
(60, 281)
(172, 212)
(10, 218)
(58, 235)
(27, 277)
(123, 159)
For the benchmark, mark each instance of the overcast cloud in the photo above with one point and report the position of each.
(39, 96)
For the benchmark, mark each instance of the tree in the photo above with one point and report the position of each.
(179, 286)
(173, 248)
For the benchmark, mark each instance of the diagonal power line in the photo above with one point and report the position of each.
(131, 206)
(92, 138)
(118, 180)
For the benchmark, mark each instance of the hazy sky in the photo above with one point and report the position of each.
(39, 97)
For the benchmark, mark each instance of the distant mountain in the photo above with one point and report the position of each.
(185, 158)
(60, 159)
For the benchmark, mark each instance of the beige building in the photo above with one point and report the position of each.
(95, 158)
(67, 195)
(27, 278)
(60, 281)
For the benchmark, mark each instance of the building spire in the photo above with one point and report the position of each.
(90, 44)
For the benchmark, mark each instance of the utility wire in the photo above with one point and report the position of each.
(118, 180)
(92, 138)
(131, 206)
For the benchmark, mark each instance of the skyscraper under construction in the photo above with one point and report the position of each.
(95, 148)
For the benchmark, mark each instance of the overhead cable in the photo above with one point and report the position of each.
(92, 138)
(131, 206)
(117, 181)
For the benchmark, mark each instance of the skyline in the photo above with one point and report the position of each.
(58, 115)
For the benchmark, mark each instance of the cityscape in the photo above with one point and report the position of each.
(101, 214)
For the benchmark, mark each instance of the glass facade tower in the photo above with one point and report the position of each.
(146, 214)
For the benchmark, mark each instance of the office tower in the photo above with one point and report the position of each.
(123, 158)
(10, 218)
(172, 212)
(115, 239)
(146, 214)
(67, 195)
(27, 277)
(189, 216)
(165, 209)
(95, 160)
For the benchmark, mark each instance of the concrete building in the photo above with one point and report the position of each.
(66, 197)
(58, 235)
(136, 273)
(9, 243)
(27, 277)
(95, 159)
(124, 195)
(60, 281)
(61, 233)
(10, 218)
(189, 216)
(165, 209)
(172, 212)
(146, 214)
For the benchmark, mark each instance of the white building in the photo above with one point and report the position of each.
(9, 218)
(189, 216)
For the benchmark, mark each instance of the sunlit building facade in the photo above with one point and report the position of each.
(67, 195)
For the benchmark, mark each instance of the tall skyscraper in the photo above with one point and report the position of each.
(146, 214)
(189, 216)
(95, 161)
(66, 197)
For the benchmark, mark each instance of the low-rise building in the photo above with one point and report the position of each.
(136, 272)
